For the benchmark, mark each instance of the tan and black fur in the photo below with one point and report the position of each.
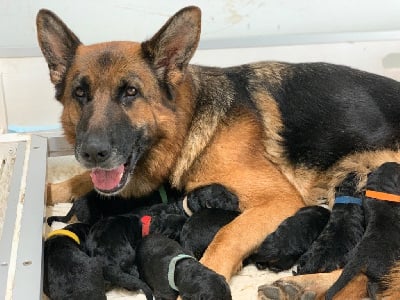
(277, 135)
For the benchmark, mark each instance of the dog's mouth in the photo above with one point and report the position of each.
(111, 181)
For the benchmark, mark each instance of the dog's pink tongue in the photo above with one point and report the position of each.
(107, 179)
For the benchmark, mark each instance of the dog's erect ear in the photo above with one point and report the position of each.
(58, 43)
(172, 47)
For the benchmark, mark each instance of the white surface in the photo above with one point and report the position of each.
(98, 20)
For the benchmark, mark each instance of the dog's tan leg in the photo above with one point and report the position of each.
(313, 286)
(239, 238)
(70, 189)
(393, 282)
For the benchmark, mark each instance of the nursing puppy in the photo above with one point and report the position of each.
(278, 135)
(200, 229)
(279, 251)
(112, 242)
(293, 237)
(68, 272)
(92, 207)
(380, 244)
(345, 228)
(169, 269)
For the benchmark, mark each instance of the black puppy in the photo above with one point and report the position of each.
(380, 244)
(69, 273)
(169, 269)
(200, 229)
(112, 241)
(342, 233)
(278, 252)
(93, 206)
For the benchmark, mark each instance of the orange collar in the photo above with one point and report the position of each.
(382, 196)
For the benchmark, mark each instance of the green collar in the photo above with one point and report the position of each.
(171, 269)
(163, 194)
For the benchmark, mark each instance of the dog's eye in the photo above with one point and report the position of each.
(80, 93)
(130, 91)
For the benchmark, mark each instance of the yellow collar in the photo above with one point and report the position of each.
(65, 232)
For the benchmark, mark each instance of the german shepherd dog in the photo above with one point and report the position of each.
(278, 135)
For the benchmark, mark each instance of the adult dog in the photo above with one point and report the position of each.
(277, 135)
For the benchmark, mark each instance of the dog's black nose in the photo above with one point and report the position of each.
(95, 150)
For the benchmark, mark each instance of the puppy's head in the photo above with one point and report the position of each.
(385, 179)
(118, 97)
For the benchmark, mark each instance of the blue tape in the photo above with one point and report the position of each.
(348, 200)
(19, 129)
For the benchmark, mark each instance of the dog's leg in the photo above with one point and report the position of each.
(244, 234)
(67, 191)
(391, 282)
(313, 286)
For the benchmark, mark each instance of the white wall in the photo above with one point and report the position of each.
(361, 33)
(257, 21)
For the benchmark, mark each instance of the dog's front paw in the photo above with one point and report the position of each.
(282, 289)
(224, 266)
(58, 193)
(67, 191)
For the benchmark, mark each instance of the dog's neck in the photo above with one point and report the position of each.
(204, 122)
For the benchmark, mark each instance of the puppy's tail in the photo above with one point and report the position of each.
(63, 219)
(352, 268)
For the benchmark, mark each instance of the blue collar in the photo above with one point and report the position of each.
(348, 200)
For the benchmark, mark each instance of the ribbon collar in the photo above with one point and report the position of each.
(186, 208)
(64, 232)
(347, 200)
(382, 196)
(146, 221)
(171, 269)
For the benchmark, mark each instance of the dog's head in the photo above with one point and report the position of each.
(119, 98)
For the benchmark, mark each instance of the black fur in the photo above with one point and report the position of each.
(293, 237)
(200, 229)
(112, 241)
(68, 272)
(212, 196)
(93, 206)
(194, 281)
(380, 244)
(342, 233)
(347, 110)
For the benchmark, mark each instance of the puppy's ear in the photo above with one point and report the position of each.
(57, 42)
(172, 47)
